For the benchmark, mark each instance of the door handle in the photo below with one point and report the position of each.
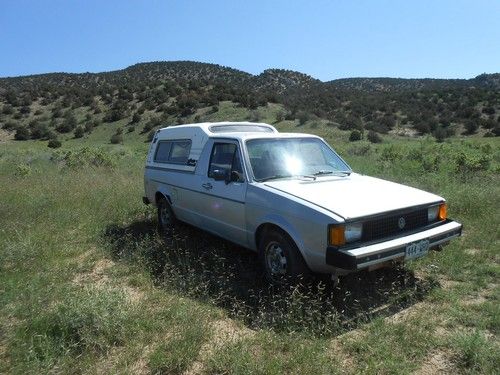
(207, 185)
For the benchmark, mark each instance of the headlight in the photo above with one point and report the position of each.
(353, 232)
(432, 213)
(340, 234)
(437, 212)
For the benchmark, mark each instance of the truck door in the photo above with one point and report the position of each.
(223, 187)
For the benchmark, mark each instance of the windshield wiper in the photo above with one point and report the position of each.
(275, 177)
(278, 176)
(336, 173)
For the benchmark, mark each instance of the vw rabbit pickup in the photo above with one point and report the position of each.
(291, 198)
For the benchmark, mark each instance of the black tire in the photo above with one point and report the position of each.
(166, 217)
(281, 259)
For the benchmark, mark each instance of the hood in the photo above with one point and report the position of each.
(355, 195)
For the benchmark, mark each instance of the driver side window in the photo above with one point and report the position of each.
(225, 158)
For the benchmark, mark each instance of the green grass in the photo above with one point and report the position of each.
(86, 284)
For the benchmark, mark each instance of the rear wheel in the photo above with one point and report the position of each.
(281, 258)
(166, 217)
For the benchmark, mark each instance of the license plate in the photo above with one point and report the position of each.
(417, 249)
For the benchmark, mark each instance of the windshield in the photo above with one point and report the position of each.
(291, 157)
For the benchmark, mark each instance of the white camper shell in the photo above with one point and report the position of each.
(198, 135)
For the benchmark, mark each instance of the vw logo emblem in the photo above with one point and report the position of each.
(401, 222)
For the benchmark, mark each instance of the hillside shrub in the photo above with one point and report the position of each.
(355, 136)
(303, 117)
(440, 134)
(469, 162)
(360, 149)
(7, 109)
(280, 116)
(148, 126)
(351, 123)
(83, 157)
(377, 127)
(254, 116)
(431, 162)
(373, 137)
(40, 131)
(54, 143)
(116, 139)
(26, 109)
(136, 118)
(79, 132)
(489, 110)
(22, 134)
(471, 127)
(89, 126)
(67, 125)
(10, 125)
(391, 154)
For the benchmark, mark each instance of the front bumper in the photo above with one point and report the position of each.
(365, 256)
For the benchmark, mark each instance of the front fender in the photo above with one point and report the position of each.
(287, 227)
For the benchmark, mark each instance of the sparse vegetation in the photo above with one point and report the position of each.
(153, 94)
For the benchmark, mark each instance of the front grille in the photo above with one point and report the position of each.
(389, 225)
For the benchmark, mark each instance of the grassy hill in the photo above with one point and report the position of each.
(146, 96)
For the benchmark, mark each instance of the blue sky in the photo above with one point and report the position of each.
(326, 39)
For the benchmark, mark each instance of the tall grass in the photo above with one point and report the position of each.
(65, 215)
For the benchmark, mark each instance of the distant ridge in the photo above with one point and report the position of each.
(272, 78)
(180, 91)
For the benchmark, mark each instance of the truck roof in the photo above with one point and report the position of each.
(226, 129)
(217, 128)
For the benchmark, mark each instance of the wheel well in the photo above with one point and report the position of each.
(159, 196)
(266, 227)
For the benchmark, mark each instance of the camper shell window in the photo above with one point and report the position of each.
(241, 129)
(173, 151)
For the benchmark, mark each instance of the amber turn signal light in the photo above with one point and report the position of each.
(336, 235)
(442, 212)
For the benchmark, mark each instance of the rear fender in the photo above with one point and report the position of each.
(165, 191)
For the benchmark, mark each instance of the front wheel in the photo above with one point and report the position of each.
(281, 259)
(166, 217)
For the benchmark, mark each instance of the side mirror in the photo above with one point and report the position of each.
(236, 177)
(219, 174)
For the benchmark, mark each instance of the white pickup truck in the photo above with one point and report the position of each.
(289, 197)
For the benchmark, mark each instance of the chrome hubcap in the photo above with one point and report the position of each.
(275, 259)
